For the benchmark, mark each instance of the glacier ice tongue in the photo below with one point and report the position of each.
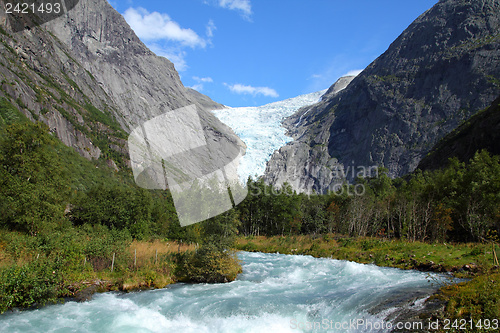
(260, 128)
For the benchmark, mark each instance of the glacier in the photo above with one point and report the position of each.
(260, 128)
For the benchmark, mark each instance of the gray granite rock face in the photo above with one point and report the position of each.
(439, 72)
(40, 77)
(91, 57)
(142, 84)
(308, 169)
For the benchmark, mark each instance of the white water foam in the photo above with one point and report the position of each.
(275, 293)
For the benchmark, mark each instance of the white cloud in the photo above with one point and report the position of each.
(338, 66)
(354, 72)
(316, 76)
(157, 26)
(203, 79)
(198, 87)
(249, 90)
(211, 28)
(174, 55)
(241, 5)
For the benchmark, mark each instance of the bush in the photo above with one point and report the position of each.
(101, 243)
(249, 247)
(345, 242)
(28, 285)
(207, 265)
(370, 243)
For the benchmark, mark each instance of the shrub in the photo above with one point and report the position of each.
(28, 285)
(207, 265)
(476, 299)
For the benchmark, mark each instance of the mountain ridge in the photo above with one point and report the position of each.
(103, 42)
(433, 77)
(89, 77)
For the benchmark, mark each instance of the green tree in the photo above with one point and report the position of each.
(34, 185)
(115, 206)
(214, 261)
(479, 196)
(220, 231)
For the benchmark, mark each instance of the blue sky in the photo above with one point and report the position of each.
(253, 52)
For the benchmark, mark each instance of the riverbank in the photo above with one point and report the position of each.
(150, 265)
(275, 293)
(32, 274)
(32, 277)
(463, 260)
(477, 299)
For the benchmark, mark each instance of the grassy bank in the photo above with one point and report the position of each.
(34, 274)
(465, 260)
(478, 298)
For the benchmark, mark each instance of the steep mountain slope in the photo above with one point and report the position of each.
(482, 131)
(435, 75)
(88, 76)
(142, 84)
(41, 79)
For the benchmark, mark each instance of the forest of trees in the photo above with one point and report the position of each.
(64, 218)
(42, 189)
(460, 203)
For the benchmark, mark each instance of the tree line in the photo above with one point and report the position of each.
(458, 203)
(41, 190)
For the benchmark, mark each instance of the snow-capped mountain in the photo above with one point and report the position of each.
(260, 128)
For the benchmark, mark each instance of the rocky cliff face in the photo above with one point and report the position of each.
(440, 71)
(305, 168)
(142, 84)
(482, 131)
(88, 76)
(40, 77)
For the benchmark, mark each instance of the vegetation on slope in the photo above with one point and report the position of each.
(69, 224)
(481, 131)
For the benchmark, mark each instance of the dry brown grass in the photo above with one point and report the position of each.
(147, 273)
(146, 251)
